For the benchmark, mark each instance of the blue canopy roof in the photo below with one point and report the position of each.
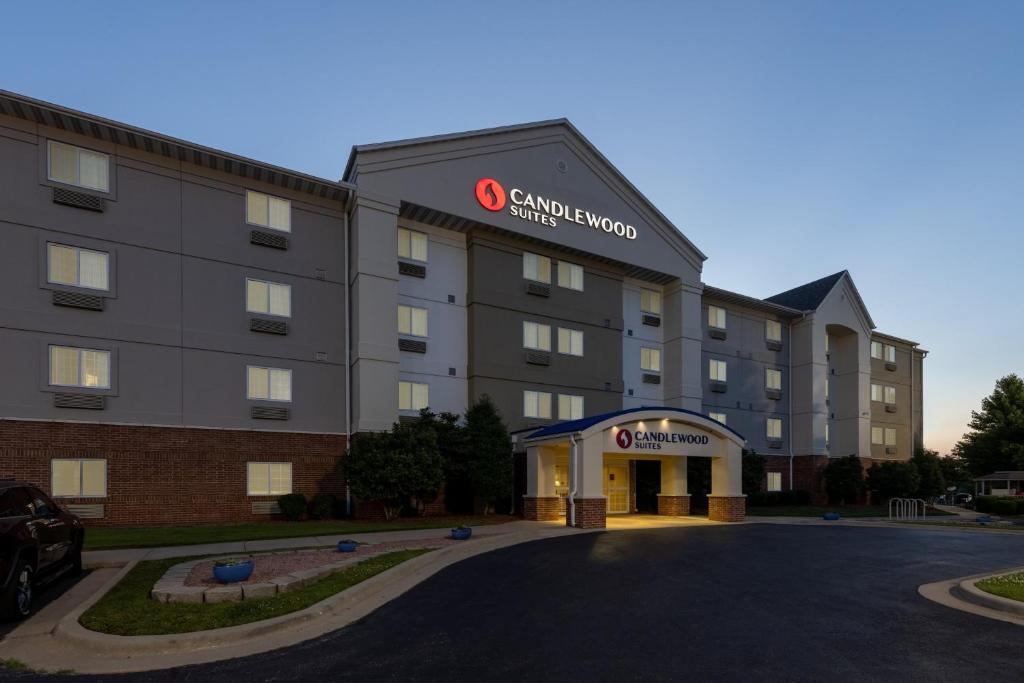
(572, 426)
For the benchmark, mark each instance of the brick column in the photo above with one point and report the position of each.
(674, 506)
(540, 509)
(727, 508)
(590, 513)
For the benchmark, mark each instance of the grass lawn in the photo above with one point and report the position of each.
(103, 538)
(818, 511)
(1009, 586)
(127, 609)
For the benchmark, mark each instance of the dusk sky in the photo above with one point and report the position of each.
(788, 140)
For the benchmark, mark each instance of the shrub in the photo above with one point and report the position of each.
(893, 480)
(779, 498)
(1005, 506)
(394, 467)
(1020, 506)
(844, 479)
(985, 503)
(322, 506)
(292, 505)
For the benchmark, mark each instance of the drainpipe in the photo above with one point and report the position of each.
(573, 478)
(348, 364)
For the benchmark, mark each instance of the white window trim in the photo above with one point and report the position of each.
(714, 363)
(651, 294)
(248, 389)
(570, 267)
(651, 353)
(412, 311)
(412, 395)
(267, 225)
(767, 326)
(269, 284)
(78, 267)
(78, 170)
(769, 476)
(81, 366)
(538, 258)
(540, 327)
(537, 395)
(572, 398)
(768, 431)
(414, 234)
(725, 318)
(571, 334)
(767, 383)
(81, 466)
(270, 486)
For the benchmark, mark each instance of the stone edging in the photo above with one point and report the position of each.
(964, 595)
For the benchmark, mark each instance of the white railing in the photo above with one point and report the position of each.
(907, 508)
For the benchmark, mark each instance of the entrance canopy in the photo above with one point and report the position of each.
(582, 467)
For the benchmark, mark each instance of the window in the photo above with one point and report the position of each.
(890, 395)
(717, 370)
(269, 384)
(78, 478)
(828, 384)
(650, 301)
(890, 436)
(268, 212)
(876, 392)
(827, 344)
(716, 317)
(536, 268)
(570, 407)
(412, 245)
(537, 404)
(536, 336)
(268, 297)
(570, 276)
(890, 354)
(77, 267)
(775, 481)
(269, 478)
(827, 440)
(15, 502)
(72, 367)
(876, 350)
(570, 341)
(877, 436)
(650, 359)
(773, 330)
(413, 395)
(773, 379)
(720, 417)
(412, 320)
(77, 166)
(773, 428)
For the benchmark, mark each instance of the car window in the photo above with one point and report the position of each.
(43, 506)
(15, 503)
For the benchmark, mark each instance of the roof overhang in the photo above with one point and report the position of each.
(597, 424)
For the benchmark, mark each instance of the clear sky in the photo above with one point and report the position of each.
(789, 140)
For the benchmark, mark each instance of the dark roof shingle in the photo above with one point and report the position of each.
(807, 297)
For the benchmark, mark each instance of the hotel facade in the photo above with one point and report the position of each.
(189, 334)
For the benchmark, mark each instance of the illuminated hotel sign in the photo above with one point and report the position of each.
(545, 211)
(660, 437)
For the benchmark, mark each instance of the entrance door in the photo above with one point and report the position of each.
(648, 485)
(616, 488)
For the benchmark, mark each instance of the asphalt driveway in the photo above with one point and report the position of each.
(759, 601)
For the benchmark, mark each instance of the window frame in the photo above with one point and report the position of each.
(80, 350)
(270, 384)
(769, 476)
(880, 431)
(538, 327)
(572, 267)
(768, 325)
(412, 395)
(270, 284)
(714, 364)
(538, 396)
(572, 398)
(78, 267)
(768, 422)
(651, 296)
(889, 353)
(719, 417)
(890, 431)
(412, 321)
(107, 191)
(881, 352)
(880, 393)
(81, 478)
(889, 391)
(652, 353)
(413, 235)
(250, 221)
(724, 316)
(540, 258)
(249, 466)
(772, 372)
(571, 335)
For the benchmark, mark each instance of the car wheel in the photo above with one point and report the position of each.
(17, 598)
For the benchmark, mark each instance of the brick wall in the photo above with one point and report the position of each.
(727, 509)
(673, 505)
(170, 475)
(541, 509)
(591, 513)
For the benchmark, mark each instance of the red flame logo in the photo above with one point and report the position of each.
(490, 194)
(624, 438)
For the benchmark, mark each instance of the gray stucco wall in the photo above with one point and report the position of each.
(176, 316)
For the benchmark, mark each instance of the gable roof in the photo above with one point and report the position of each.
(564, 123)
(807, 297)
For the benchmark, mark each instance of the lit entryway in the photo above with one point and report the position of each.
(616, 488)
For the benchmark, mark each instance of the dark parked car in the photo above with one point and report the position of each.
(38, 542)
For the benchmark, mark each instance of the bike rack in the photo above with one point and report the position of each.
(907, 508)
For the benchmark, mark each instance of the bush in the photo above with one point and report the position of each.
(1005, 506)
(985, 503)
(292, 505)
(1020, 506)
(395, 467)
(844, 479)
(893, 480)
(322, 506)
(779, 498)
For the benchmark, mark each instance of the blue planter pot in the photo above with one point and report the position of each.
(347, 546)
(831, 516)
(461, 534)
(233, 573)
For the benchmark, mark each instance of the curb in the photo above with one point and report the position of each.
(969, 591)
(964, 595)
(341, 609)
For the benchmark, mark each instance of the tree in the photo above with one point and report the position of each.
(844, 479)
(753, 472)
(996, 439)
(954, 472)
(394, 467)
(453, 446)
(929, 469)
(489, 453)
(893, 480)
